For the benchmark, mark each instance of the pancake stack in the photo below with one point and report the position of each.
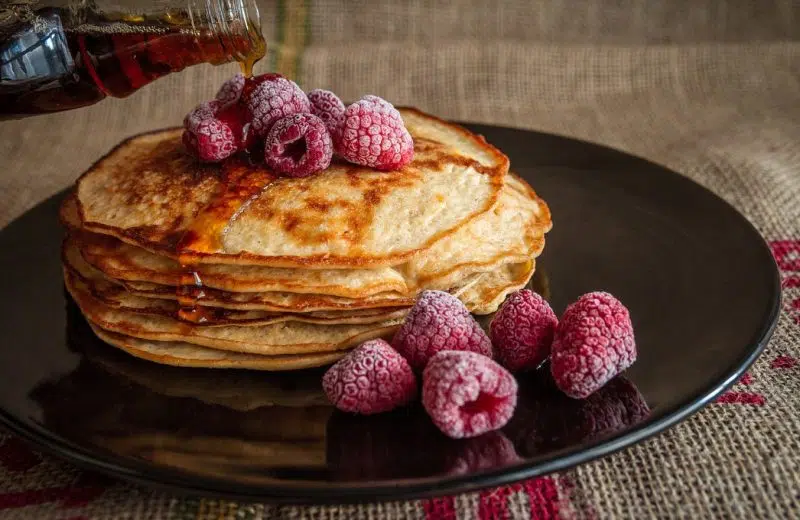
(231, 266)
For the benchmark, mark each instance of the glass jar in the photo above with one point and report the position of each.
(59, 55)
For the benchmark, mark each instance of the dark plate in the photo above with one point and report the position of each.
(700, 282)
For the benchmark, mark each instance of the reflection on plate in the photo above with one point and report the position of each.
(270, 425)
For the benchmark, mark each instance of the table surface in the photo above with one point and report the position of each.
(706, 88)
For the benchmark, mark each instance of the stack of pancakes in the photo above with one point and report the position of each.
(229, 265)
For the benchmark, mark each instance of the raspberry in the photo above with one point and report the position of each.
(522, 331)
(593, 343)
(373, 378)
(211, 140)
(235, 116)
(251, 83)
(298, 145)
(491, 450)
(438, 321)
(203, 111)
(467, 394)
(374, 135)
(327, 106)
(190, 142)
(270, 99)
(231, 90)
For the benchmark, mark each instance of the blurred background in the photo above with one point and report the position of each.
(666, 79)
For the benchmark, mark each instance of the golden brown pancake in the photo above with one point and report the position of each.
(149, 192)
(230, 266)
(116, 296)
(511, 232)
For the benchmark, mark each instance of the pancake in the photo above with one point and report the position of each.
(181, 354)
(118, 297)
(270, 340)
(271, 301)
(486, 294)
(131, 263)
(513, 231)
(150, 193)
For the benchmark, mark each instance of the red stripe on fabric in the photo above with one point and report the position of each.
(746, 379)
(783, 362)
(791, 282)
(493, 503)
(542, 497)
(443, 508)
(16, 456)
(787, 254)
(741, 398)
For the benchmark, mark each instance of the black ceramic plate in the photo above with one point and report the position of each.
(700, 283)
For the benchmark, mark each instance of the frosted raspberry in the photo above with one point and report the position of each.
(488, 451)
(235, 116)
(298, 145)
(231, 90)
(327, 106)
(372, 378)
(251, 83)
(271, 99)
(467, 394)
(374, 135)
(203, 111)
(211, 140)
(593, 343)
(438, 321)
(522, 331)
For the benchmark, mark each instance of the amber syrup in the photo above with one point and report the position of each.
(69, 68)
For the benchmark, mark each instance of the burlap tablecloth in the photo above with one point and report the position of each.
(706, 87)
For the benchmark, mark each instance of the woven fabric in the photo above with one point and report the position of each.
(708, 88)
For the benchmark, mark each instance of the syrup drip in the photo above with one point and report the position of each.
(242, 182)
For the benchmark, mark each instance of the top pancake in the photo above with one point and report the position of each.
(150, 193)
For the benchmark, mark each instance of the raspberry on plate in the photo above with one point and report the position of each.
(438, 321)
(327, 106)
(522, 331)
(298, 145)
(211, 140)
(467, 394)
(593, 342)
(372, 378)
(231, 90)
(272, 98)
(374, 135)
